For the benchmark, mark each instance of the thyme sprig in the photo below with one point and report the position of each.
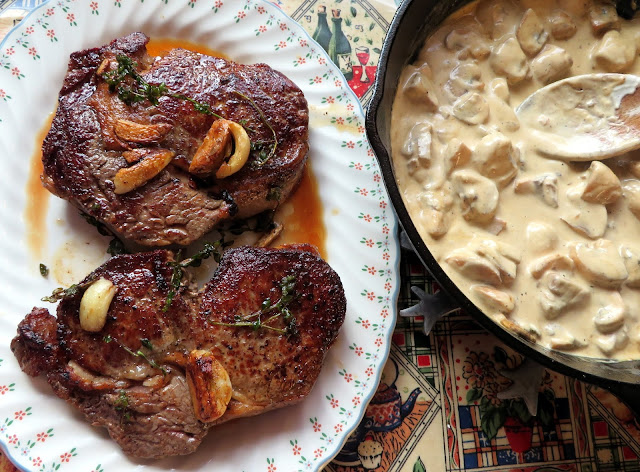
(138, 90)
(60, 293)
(139, 353)
(214, 250)
(271, 311)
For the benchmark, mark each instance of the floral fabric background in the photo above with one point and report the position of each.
(442, 404)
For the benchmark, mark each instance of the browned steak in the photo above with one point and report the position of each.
(131, 376)
(83, 151)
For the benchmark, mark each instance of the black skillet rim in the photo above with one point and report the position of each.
(620, 387)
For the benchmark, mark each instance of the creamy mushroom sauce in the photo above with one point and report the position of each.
(547, 248)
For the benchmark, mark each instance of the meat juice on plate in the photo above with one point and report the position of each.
(300, 216)
(545, 247)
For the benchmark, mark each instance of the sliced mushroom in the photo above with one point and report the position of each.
(494, 299)
(631, 258)
(495, 157)
(631, 193)
(559, 293)
(215, 148)
(531, 33)
(544, 185)
(130, 178)
(478, 195)
(615, 53)
(417, 144)
(419, 89)
(609, 344)
(436, 214)
(603, 186)
(464, 78)
(551, 64)
(141, 133)
(585, 218)
(541, 237)
(500, 88)
(469, 42)
(209, 385)
(600, 262)
(488, 261)
(508, 59)
(474, 266)
(555, 261)
(455, 156)
(610, 318)
(634, 168)
(603, 17)
(503, 256)
(561, 338)
(472, 108)
(562, 25)
(507, 120)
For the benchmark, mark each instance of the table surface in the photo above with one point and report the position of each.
(443, 388)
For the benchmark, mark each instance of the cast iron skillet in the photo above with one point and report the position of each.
(413, 21)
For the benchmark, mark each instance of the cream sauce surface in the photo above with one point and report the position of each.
(545, 247)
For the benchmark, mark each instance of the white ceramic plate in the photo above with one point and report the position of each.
(37, 429)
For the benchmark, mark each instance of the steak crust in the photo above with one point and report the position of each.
(130, 377)
(82, 153)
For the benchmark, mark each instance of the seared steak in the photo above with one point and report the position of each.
(132, 377)
(85, 149)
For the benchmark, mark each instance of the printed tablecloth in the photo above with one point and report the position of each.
(438, 406)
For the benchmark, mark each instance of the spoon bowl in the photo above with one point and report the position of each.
(584, 118)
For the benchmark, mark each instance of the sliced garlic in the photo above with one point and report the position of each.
(209, 385)
(95, 305)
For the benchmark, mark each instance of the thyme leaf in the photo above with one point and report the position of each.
(60, 293)
(44, 270)
(116, 246)
(266, 122)
(279, 309)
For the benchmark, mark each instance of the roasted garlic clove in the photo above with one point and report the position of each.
(141, 133)
(130, 178)
(215, 147)
(95, 303)
(238, 159)
(209, 385)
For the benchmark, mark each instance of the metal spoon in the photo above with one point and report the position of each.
(584, 118)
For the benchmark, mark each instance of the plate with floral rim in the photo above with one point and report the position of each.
(38, 431)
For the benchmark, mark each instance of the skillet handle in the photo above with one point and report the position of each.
(630, 396)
